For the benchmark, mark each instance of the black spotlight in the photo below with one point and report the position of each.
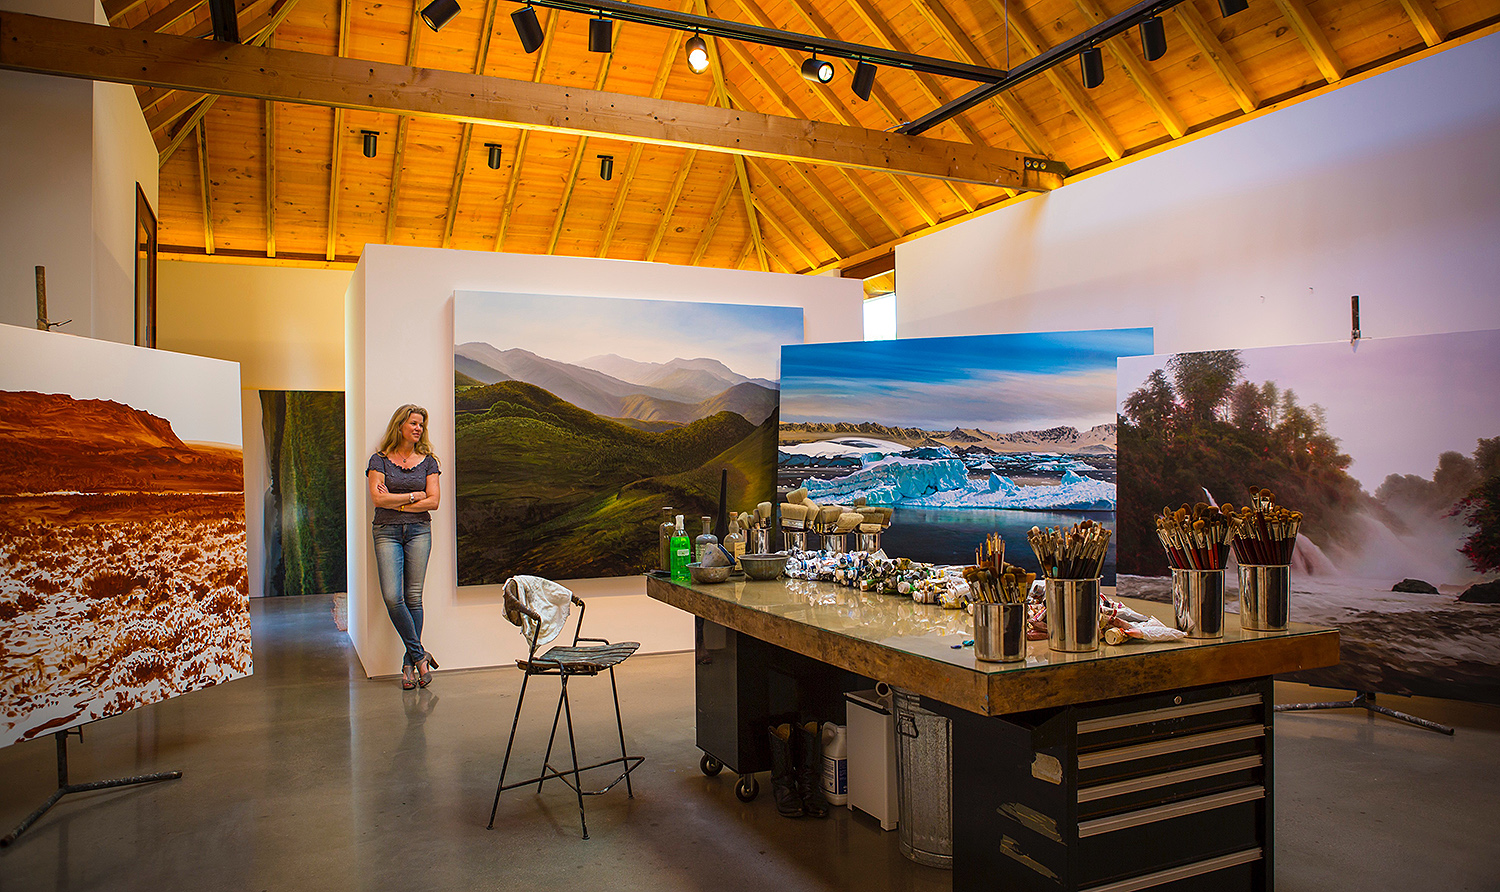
(600, 33)
(1228, 8)
(864, 80)
(697, 54)
(819, 71)
(1092, 60)
(528, 29)
(606, 167)
(1153, 38)
(494, 148)
(439, 13)
(370, 137)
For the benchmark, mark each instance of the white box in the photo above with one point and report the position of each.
(872, 758)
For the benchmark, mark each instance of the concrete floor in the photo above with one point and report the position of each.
(308, 776)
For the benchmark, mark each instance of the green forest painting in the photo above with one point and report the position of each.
(304, 507)
(578, 419)
(1390, 449)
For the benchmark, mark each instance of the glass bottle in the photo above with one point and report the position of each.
(734, 543)
(664, 542)
(704, 543)
(681, 551)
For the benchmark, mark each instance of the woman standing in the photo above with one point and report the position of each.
(403, 479)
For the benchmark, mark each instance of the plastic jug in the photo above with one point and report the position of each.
(835, 764)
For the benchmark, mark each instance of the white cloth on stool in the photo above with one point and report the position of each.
(549, 600)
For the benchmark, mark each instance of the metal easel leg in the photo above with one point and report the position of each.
(1366, 701)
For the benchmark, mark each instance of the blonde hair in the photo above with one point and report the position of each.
(393, 431)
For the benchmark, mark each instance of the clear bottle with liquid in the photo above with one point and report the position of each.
(682, 551)
(704, 543)
(664, 542)
(734, 543)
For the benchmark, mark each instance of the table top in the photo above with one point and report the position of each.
(892, 638)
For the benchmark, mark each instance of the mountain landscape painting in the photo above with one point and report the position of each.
(305, 516)
(578, 419)
(1390, 450)
(123, 571)
(962, 436)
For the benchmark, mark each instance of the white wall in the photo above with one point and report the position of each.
(1255, 236)
(283, 325)
(124, 155)
(400, 349)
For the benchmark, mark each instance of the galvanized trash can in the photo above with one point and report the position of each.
(924, 782)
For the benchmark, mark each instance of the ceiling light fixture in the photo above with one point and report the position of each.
(370, 138)
(819, 71)
(864, 80)
(697, 54)
(439, 13)
(1091, 61)
(606, 167)
(601, 34)
(528, 28)
(1153, 38)
(494, 161)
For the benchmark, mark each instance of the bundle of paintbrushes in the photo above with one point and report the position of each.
(1263, 533)
(1195, 538)
(991, 580)
(1075, 553)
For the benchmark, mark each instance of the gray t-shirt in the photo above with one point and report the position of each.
(400, 480)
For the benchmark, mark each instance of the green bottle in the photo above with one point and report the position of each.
(682, 551)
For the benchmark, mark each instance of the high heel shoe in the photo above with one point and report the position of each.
(424, 674)
(408, 677)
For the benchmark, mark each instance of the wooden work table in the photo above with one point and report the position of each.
(1134, 767)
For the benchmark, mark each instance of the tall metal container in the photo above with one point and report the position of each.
(1265, 596)
(924, 779)
(1198, 602)
(1073, 615)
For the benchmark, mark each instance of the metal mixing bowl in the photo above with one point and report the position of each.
(702, 574)
(763, 566)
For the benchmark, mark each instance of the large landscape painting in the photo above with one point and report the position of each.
(1390, 449)
(579, 419)
(962, 436)
(304, 506)
(122, 517)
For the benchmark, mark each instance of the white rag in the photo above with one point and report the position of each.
(549, 600)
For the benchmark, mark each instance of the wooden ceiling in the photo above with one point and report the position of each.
(244, 178)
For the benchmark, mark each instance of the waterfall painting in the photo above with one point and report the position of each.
(1390, 450)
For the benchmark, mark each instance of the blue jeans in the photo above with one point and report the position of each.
(401, 551)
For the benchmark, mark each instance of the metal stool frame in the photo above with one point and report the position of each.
(574, 660)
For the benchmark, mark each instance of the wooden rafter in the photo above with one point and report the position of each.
(262, 37)
(113, 9)
(1213, 51)
(206, 188)
(74, 49)
(579, 151)
(1428, 20)
(337, 151)
(413, 43)
(520, 153)
(671, 204)
(774, 221)
(1313, 39)
(173, 106)
(720, 94)
(1073, 94)
(466, 135)
(801, 213)
(964, 48)
(270, 123)
(714, 218)
(744, 180)
(169, 15)
(1138, 73)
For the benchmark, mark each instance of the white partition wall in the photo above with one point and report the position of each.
(399, 349)
(1257, 235)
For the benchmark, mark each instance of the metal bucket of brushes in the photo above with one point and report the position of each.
(999, 632)
(1198, 602)
(1265, 597)
(1072, 615)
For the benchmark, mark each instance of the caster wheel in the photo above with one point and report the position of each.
(747, 789)
(710, 766)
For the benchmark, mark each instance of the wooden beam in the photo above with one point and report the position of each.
(169, 15)
(1138, 73)
(671, 205)
(744, 181)
(161, 106)
(713, 221)
(206, 189)
(113, 9)
(1313, 39)
(807, 219)
(177, 104)
(270, 179)
(1428, 20)
(579, 150)
(1214, 52)
(773, 220)
(520, 154)
(1031, 42)
(1020, 120)
(337, 152)
(75, 49)
(466, 135)
(413, 43)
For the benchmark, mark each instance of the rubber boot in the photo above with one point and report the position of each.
(810, 769)
(784, 774)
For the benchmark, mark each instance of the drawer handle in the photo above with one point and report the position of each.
(1170, 712)
(1170, 745)
(1186, 871)
(1171, 810)
(1151, 782)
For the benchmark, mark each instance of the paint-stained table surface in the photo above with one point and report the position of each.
(894, 639)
